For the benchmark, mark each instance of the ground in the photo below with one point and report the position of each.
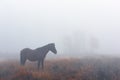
(63, 69)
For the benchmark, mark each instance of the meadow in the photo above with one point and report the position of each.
(63, 69)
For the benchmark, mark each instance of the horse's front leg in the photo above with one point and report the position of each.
(38, 64)
(42, 63)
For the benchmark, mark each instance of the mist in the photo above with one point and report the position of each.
(77, 27)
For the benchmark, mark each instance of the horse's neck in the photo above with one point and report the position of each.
(44, 49)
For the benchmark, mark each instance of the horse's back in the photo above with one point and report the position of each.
(25, 50)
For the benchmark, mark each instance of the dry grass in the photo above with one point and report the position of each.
(63, 69)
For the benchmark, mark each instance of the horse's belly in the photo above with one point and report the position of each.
(33, 58)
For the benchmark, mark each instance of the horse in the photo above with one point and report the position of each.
(37, 54)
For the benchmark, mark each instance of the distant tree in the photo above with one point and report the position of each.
(79, 43)
(74, 44)
(94, 44)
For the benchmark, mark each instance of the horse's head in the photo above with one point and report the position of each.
(52, 48)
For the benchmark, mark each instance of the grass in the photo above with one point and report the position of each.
(63, 69)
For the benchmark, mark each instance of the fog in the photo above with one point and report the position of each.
(77, 27)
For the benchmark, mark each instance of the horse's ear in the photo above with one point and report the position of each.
(53, 44)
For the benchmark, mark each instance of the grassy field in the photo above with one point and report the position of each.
(63, 69)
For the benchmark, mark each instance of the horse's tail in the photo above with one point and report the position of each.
(22, 58)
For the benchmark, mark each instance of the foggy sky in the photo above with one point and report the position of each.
(34, 23)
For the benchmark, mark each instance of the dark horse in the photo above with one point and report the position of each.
(37, 54)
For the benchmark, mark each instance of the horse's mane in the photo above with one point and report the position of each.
(45, 46)
(40, 47)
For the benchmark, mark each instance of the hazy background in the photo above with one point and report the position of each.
(77, 27)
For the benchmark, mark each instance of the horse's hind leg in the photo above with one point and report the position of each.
(22, 60)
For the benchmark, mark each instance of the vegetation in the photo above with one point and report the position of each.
(63, 69)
